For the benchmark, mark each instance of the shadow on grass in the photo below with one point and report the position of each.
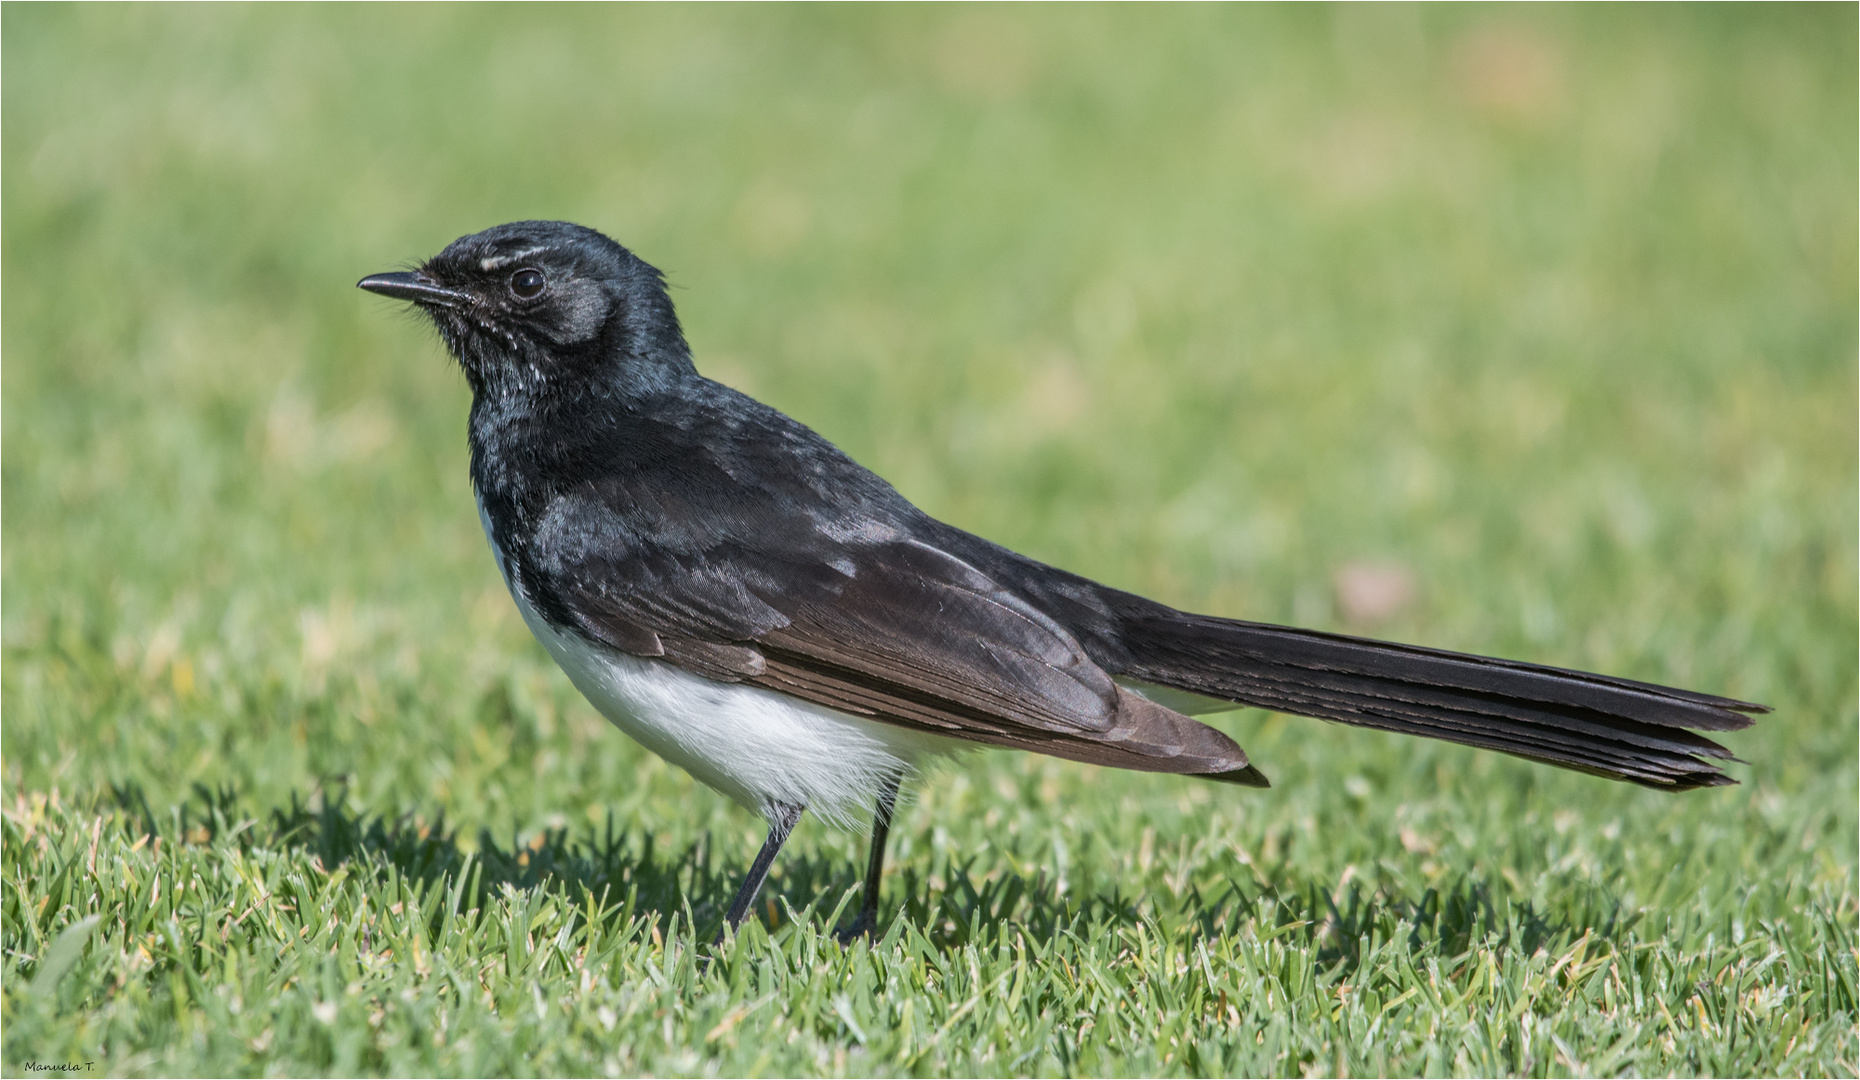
(630, 876)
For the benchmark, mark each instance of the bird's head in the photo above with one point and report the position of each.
(536, 304)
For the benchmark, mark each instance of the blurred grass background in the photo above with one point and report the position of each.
(1539, 321)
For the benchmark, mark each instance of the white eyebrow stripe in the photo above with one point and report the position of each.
(496, 261)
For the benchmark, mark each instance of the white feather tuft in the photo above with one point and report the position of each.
(757, 746)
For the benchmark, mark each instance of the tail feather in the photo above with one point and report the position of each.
(1619, 728)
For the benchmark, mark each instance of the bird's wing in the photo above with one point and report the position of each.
(897, 630)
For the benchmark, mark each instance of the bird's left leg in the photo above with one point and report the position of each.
(781, 823)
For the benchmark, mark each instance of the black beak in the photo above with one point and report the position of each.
(414, 287)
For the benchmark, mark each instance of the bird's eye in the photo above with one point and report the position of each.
(527, 283)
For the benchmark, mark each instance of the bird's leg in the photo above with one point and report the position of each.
(875, 866)
(780, 825)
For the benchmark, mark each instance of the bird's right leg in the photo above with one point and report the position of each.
(875, 864)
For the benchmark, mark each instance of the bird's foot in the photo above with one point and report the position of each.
(858, 928)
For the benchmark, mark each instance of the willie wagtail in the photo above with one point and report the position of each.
(753, 606)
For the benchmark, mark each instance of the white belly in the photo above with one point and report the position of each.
(757, 746)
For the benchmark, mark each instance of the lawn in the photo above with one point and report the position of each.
(1545, 315)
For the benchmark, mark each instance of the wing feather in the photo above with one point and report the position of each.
(896, 630)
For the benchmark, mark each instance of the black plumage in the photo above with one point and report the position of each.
(642, 511)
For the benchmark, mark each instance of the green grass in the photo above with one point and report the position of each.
(1553, 308)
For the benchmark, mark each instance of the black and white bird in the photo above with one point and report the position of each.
(750, 604)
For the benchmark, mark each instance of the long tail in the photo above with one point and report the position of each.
(1611, 727)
